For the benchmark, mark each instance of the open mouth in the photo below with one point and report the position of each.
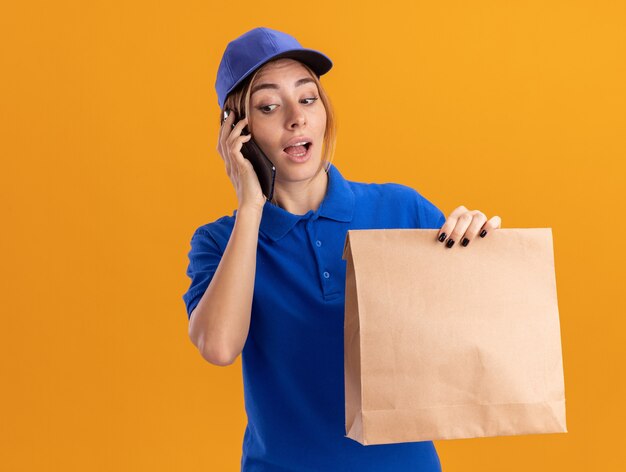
(299, 150)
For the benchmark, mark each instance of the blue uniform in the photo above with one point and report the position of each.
(292, 361)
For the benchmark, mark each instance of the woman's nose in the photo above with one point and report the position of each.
(296, 117)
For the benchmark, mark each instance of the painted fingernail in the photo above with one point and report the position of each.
(450, 243)
(442, 237)
(483, 233)
(465, 242)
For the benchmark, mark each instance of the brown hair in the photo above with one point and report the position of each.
(239, 101)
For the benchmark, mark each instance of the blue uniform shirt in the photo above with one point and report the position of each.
(292, 361)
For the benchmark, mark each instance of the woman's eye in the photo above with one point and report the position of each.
(267, 108)
(264, 108)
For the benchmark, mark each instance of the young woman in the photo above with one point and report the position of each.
(268, 282)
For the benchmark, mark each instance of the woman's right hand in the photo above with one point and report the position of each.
(238, 168)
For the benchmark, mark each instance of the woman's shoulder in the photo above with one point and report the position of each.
(390, 191)
(217, 231)
(395, 198)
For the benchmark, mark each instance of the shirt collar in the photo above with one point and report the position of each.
(338, 204)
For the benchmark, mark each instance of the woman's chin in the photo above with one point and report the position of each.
(290, 170)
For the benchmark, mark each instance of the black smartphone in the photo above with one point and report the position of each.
(264, 168)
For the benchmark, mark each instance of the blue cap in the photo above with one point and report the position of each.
(251, 50)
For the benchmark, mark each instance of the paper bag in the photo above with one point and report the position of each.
(445, 343)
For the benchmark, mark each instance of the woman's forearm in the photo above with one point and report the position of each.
(219, 324)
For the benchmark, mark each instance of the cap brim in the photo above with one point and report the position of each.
(317, 61)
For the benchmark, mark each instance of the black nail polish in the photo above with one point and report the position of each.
(483, 233)
(442, 237)
(450, 243)
(465, 242)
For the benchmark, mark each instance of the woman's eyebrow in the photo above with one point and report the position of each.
(297, 83)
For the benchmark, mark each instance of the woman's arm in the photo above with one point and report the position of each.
(219, 324)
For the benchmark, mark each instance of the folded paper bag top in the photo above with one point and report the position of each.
(448, 343)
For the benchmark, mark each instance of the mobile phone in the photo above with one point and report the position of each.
(263, 167)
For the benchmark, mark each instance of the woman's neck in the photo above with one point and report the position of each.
(300, 197)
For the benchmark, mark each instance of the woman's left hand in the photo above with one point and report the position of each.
(464, 225)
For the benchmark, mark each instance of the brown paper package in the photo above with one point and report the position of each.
(449, 343)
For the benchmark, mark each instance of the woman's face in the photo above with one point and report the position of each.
(285, 105)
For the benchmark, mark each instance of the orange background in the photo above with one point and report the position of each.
(109, 121)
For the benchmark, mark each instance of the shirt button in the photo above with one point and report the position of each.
(326, 275)
(318, 243)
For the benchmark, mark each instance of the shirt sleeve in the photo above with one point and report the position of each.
(428, 215)
(204, 257)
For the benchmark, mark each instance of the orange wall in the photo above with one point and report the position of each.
(108, 128)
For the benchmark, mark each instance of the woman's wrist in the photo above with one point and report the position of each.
(250, 213)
